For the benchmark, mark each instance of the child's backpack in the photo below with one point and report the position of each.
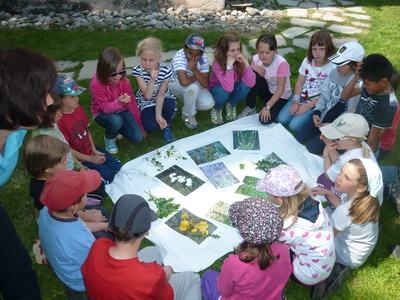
(394, 194)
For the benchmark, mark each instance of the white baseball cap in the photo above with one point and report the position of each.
(349, 124)
(351, 51)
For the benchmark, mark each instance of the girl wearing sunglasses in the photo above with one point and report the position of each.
(113, 103)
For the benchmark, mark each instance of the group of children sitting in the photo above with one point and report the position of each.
(341, 105)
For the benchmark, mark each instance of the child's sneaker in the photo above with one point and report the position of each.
(167, 135)
(190, 122)
(111, 147)
(216, 116)
(230, 112)
(335, 280)
(120, 136)
(247, 111)
(394, 194)
(38, 252)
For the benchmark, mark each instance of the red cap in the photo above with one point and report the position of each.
(66, 187)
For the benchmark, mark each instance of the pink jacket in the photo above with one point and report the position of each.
(105, 98)
(229, 78)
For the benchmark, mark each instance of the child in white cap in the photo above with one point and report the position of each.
(347, 133)
(306, 228)
(329, 105)
(260, 267)
(355, 222)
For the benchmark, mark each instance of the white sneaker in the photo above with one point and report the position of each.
(230, 112)
(216, 116)
(247, 111)
(120, 137)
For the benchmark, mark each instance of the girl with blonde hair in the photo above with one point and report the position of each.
(157, 104)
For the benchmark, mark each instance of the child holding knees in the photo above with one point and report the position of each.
(260, 267)
(314, 69)
(306, 228)
(355, 221)
(330, 104)
(231, 78)
(347, 133)
(272, 80)
(119, 270)
(190, 79)
(74, 125)
(157, 104)
(113, 104)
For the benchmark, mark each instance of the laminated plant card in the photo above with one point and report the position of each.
(191, 226)
(180, 180)
(208, 153)
(219, 175)
(269, 162)
(246, 140)
(220, 213)
(248, 188)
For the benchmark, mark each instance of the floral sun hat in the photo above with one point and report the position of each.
(257, 220)
(281, 181)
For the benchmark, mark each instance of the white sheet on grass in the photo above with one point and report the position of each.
(183, 254)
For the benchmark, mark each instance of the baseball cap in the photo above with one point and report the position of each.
(132, 213)
(281, 181)
(65, 187)
(65, 85)
(350, 51)
(195, 42)
(349, 124)
(257, 220)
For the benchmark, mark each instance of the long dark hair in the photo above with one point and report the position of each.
(249, 252)
(26, 78)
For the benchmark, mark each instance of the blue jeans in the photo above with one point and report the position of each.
(121, 122)
(148, 115)
(389, 174)
(295, 123)
(108, 169)
(221, 96)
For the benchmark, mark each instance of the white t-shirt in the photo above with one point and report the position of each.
(180, 63)
(315, 76)
(355, 242)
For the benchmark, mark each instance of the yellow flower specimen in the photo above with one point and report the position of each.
(184, 226)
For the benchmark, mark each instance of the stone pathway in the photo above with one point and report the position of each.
(305, 16)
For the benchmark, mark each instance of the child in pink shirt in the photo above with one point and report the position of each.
(260, 267)
(231, 78)
(272, 73)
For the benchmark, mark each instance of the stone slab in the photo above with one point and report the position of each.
(333, 18)
(347, 3)
(326, 3)
(360, 24)
(356, 9)
(284, 51)
(288, 2)
(337, 42)
(301, 42)
(331, 9)
(316, 15)
(344, 29)
(310, 33)
(357, 16)
(307, 23)
(66, 64)
(293, 32)
(297, 12)
(307, 5)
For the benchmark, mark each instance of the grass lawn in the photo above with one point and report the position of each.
(377, 279)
